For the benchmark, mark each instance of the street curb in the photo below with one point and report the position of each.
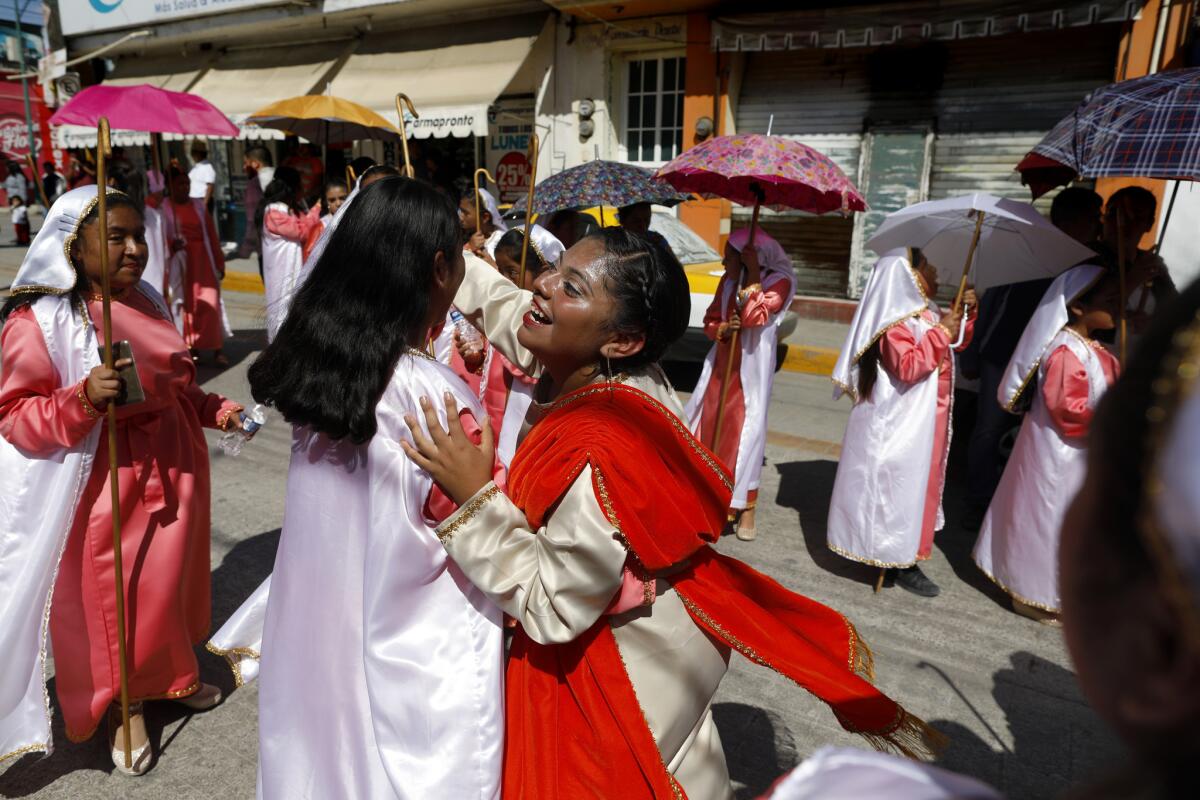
(800, 358)
(810, 360)
(243, 282)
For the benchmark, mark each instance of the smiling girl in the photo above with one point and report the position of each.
(608, 480)
(53, 394)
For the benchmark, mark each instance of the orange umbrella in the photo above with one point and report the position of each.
(324, 119)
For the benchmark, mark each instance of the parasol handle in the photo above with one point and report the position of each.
(533, 159)
(351, 178)
(1123, 324)
(733, 340)
(408, 168)
(41, 190)
(103, 149)
(962, 285)
(488, 175)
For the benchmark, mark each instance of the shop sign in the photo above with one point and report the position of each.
(88, 16)
(510, 123)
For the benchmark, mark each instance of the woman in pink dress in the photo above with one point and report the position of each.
(193, 234)
(758, 285)
(53, 395)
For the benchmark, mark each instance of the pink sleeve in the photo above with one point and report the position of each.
(439, 506)
(36, 414)
(763, 303)
(1065, 393)
(211, 408)
(713, 316)
(909, 360)
(289, 226)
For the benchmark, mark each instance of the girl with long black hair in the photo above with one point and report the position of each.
(380, 669)
(610, 481)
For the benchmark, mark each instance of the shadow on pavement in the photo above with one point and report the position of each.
(244, 344)
(757, 745)
(806, 486)
(1057, 741)
(245, 566)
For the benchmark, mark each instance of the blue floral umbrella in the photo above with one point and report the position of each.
(601, 183)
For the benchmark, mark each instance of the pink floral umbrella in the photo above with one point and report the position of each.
(757, 170)
(145, 108)
(752, 169)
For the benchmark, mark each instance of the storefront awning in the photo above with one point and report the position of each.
(938, 20)
(451, 87)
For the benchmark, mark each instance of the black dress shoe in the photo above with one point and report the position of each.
(917, 582)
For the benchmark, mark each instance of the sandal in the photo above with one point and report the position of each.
(141, 756)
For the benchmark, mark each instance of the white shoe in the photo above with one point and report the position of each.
(141, 757)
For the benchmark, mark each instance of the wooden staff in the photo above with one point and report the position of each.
(103, 150)
(351, 178)
(41, 190)
(962, 285)
(533, 157)
(733, 340)
(1123, 327)
(408, 167)
(488, 175)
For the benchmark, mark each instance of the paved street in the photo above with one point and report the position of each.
(1000, 685)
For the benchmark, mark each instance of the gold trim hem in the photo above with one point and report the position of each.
(233, 657)
(1015, 596)
(175, 695)
(26, 750)
(872, 562)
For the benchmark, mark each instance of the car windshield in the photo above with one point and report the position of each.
(685, 243)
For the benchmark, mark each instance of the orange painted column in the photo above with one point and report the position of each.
(1136, 58)
(704, 96)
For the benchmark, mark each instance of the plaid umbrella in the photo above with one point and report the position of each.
(1142, 128)
(601, 183)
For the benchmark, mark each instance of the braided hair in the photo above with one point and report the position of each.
(649, 291)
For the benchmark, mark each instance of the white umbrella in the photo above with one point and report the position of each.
(1015, 242)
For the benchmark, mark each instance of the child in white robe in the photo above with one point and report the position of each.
(898, 367)
(1018, 542)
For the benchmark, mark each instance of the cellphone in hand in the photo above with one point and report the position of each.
(131, 384)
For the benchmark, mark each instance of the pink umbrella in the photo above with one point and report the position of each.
(145, 108)
(752, 169)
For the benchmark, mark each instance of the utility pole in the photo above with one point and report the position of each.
(18, 8)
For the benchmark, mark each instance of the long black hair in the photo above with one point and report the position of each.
(349, 323)
(649, 290)
(15, 301)
(283, 188)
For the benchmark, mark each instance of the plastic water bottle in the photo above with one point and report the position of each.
(467, 334)
(232, 442)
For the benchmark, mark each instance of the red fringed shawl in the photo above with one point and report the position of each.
(574, 728)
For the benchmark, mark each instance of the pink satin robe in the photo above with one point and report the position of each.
(911, 362)
(1066, 390)
(758, 309)
(163, 472)
(202, 325)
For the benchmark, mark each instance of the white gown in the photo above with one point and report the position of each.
(381, 672)
(281, 261)
(1018, 542)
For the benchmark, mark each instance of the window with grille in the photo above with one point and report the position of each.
(654, 109)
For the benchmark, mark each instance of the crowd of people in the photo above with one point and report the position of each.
(521, 596)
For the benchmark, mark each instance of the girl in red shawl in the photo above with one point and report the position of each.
(607, 480)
